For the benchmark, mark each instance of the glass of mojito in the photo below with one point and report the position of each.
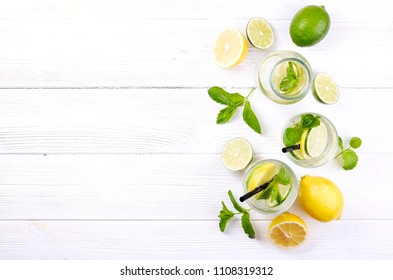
(285, 76)
(277, 183)
(310, 140)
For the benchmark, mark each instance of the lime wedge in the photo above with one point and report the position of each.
(261, 175)
(325, 89)
(259, 33)
(316, 141)
(237, 154)
(302, 150)
(284, 192)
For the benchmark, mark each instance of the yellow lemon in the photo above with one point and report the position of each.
(287, 230)
(230, 48)
(320, 198)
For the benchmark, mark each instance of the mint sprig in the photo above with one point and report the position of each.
(232, 102)
(291, 80)
(292, 135)
(348, 155)
(226, 215)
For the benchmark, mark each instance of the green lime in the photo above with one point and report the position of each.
(237, 154)
(259, 33)
(325, 89)
(309, 26)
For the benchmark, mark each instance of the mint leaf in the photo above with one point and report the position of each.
(247, 226)
(235, 204)
(350, 159)
(283, 177)
(223, 97)
(225, 115)
(266, 193)
(250, 118)
(355, 142)
(292, 135)
(225, 216)
(308, 121)
(340, 143)
(275, 192)
(289, 82)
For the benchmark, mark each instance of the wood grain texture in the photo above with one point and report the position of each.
(188, 240)
(168, 187)
(170, 120)
(108, 142)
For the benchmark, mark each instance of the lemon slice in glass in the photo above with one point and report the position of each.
(230, 48)
(287, 231)
(325, 89)
(316, 140)
(237, 154)
(259, 33)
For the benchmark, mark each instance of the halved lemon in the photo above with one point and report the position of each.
(287, 231)
(230, 48)
(325, 89)
(259, 33)
(237, 154)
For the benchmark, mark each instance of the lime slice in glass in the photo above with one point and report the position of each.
(259, 33)
(237, 154)
(284, 192)
(325, 89)
(316, 141)
(302, 151)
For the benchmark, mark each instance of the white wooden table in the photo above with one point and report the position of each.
(109, 147)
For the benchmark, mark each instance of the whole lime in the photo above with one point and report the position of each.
(309, 26)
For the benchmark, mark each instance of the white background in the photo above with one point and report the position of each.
(109, 147)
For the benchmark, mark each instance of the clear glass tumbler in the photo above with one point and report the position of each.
(285, 76)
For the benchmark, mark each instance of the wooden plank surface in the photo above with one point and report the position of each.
(169, 120)
(108, 142)
(187, 240)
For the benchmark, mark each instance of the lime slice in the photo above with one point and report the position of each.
(325, 89)
(237, 154)
(302, 151)
(284, 192)
(259, 33)
(261, 175)
(316, 141)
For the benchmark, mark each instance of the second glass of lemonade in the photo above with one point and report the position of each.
(281, 186)
(315, 137)
(285, 76)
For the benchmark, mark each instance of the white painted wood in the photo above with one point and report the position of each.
(114, 93)
(187, 240)
(116, 52)
(168, 187)
(170, 120)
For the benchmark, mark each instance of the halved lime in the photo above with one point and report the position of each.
(259, 33)
(316, 140)
(325, 89)
(237, 154)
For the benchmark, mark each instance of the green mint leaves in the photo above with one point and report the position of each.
(292, 135)
(226, 215)
(291, 80)
(232, 102)
(349, 156)
(272, 192)
(250, 118)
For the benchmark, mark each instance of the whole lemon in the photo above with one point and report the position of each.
(320, 198)
(309, 26)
